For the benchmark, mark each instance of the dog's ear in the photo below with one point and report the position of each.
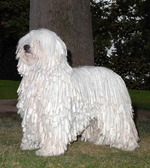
(18, 50)
(61, 50)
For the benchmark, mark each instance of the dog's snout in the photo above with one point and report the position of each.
(26, 48)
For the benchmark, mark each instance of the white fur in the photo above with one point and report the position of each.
(58, 102)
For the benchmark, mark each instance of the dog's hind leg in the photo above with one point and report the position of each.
(112, 128)
(91, 132)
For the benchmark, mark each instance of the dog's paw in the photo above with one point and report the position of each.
(43, 152)
(28, 147)
(25, 147)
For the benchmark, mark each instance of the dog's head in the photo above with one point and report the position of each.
(40, 49)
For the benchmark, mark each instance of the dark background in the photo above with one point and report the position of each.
(126, 23)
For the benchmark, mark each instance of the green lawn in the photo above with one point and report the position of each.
(140, 99)
(8, 89)
(79, 154)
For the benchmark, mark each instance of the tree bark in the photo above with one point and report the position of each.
(71, 20)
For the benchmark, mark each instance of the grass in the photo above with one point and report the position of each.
(8, 89)
(79, 154)
(140, 99)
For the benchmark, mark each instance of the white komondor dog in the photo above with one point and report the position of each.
(58, 103)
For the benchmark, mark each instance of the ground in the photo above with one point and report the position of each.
(8, 108)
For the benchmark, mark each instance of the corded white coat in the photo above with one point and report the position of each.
(57, 103)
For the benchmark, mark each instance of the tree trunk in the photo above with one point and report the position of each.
(71, 20)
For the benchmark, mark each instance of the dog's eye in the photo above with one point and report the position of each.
(26, 48)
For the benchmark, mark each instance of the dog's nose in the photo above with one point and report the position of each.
(26, 48)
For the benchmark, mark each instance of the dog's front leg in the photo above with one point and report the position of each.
(54, 139)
